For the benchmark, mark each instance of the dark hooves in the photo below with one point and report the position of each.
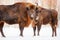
(21, 35)
(3, 36)
(52, 35)
(37, 34)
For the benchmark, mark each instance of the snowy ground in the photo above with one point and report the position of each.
(12, 33)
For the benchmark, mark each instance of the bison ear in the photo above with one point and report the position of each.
(27, 8)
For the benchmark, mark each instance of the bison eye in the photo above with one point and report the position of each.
(27, 8)
(36, 8)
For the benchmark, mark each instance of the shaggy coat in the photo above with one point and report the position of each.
(45, 16)
(17, 13)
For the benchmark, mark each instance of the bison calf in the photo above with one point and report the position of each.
(45, 16)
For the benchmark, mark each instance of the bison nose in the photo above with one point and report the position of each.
(37, 18)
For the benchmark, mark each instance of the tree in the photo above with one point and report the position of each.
(49, 3)
(52, 4)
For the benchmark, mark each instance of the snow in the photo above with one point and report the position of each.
(12, 33)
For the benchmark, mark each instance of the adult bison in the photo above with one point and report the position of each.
(18, 13)
(45, 16)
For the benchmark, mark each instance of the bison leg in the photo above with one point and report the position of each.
(34, 29)
(53, 30)
(38, 29)
(21, 30)
(1, 29)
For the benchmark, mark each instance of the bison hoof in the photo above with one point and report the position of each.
(52, 35)
(38, 34)
(3, 36)
(21, 35)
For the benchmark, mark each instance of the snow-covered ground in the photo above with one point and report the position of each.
(12, 33)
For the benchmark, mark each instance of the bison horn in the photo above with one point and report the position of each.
(37, 4)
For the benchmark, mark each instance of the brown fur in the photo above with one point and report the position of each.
(46, 16)
(16, 14)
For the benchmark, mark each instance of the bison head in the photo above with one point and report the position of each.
(31, 10)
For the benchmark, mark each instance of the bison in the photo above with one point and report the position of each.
(18, 13)
(45, 16)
